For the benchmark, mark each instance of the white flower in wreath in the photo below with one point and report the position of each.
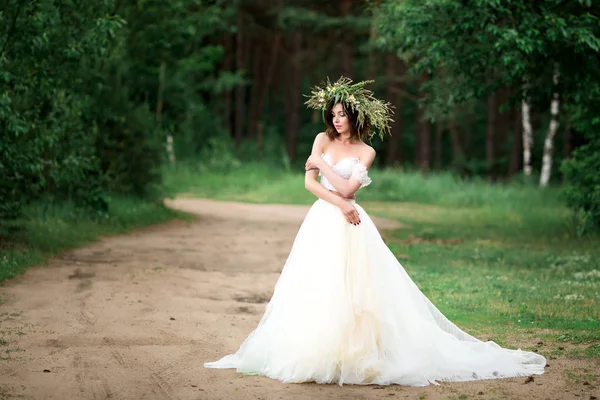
(322, 97)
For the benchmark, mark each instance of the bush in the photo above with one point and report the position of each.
(583, 189)
(47, 148)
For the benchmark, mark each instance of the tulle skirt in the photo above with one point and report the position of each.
(345, 311)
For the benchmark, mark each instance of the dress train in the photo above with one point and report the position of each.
(344, 310)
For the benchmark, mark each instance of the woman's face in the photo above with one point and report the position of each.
(340, 119)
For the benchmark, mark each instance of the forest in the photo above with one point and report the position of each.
(103, 100)
(152, 183)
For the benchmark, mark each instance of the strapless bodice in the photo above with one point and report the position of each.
(346, 168)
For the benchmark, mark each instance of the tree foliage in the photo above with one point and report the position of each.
(79, 110)
(48, 145)
(473, 48)
(90, 92)
(583, 188)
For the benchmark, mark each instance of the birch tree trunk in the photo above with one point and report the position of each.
(159, 109)
(549, 142)
(527, 136)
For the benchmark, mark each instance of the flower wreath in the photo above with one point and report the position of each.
(374, 115)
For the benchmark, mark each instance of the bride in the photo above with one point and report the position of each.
(344, 310)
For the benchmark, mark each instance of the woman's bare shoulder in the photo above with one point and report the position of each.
(322, 137)
(367, 151)
(319, 143)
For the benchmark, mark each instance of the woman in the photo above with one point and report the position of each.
(344, 310)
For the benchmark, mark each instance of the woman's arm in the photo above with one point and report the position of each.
(310, 178)
(346, 188)
(314, 186)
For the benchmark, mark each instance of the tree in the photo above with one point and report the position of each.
(129, 74)
(483, 45)
(48, 146)
(549, 142)
(527, 136)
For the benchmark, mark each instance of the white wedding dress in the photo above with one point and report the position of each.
(344, 310)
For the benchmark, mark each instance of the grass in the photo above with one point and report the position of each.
(49, 228)
(502, 261)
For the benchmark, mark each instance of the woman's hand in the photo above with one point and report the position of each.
(313, 162)
(350, 213)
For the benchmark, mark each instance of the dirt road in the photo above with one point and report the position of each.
(136, 316)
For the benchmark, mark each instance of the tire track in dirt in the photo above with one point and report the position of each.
(136, 316)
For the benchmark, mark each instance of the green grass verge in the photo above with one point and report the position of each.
(502, 261)
(503, 286)
(49, 228)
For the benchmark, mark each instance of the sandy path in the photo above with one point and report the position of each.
(136, 316)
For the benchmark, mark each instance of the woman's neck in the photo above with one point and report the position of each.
(345, 138)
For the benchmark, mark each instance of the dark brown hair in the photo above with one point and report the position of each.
(332, 133)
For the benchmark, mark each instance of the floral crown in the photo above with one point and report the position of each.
(373, 115)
